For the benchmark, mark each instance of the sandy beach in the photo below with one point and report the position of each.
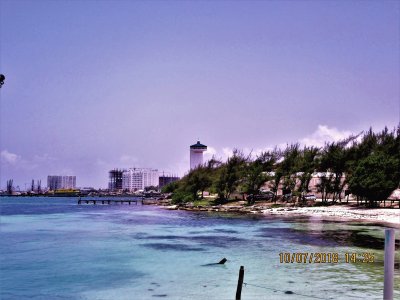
(342, 212)
(338, 212)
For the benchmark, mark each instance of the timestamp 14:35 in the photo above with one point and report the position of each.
(325, 257)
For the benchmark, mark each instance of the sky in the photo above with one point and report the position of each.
(96, 85)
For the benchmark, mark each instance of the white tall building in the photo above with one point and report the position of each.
(136, 179)
(196, 155)
(61, 182)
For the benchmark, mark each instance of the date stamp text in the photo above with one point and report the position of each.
(324, 257)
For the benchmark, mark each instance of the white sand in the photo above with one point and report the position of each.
(342, 212)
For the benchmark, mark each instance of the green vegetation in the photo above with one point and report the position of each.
(368, 164)
(376, 173)
(203, 202)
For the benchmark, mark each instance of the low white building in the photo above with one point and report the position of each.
(135, 179)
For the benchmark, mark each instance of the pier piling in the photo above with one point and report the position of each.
(240, 283)
(389, 265)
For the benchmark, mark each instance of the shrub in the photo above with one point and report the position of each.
(180, 197)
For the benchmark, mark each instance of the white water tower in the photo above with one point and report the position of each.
(196, 155)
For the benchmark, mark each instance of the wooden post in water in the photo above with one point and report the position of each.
(389, 265)
(240, 283)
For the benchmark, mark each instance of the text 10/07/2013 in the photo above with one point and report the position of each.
(325, 257)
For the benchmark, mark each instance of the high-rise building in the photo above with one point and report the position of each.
(196, 155)
(61, 182)
(115, 180)
(135, 179)
(165, 179)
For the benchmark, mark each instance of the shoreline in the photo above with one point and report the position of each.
(344, 213)
(338, 212)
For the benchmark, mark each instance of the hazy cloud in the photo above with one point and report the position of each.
(9, 158)
(211, 151)
(18, 162)
(324, 134)
(43, 158)
(227, 152)
(128, 160)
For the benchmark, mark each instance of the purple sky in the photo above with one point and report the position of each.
(93, 85)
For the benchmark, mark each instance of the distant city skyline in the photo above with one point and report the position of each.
(96, 85)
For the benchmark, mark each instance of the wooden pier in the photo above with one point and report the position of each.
(109, 201)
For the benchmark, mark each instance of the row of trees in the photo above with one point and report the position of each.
(368, 164)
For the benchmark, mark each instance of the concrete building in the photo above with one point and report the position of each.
(196, 155)
(61, 182)
(115, 180)
(165, 179)
(135, 179)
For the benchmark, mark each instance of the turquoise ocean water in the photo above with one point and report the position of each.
(52, 248)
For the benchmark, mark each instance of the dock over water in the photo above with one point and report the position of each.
(110, 201)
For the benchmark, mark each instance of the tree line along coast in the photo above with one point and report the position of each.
(360, 168)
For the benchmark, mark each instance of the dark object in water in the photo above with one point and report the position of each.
(2, 78)
(289, 292)
(221, 262)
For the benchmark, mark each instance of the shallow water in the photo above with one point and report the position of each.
(52, 248)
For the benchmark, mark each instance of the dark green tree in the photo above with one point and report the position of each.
(170, 187)
(203, 179)
(254, 177)
(288, 166)
(333, 162)
(325, 185)
(230, 174)
(374, 165)
(151, 188)
(375, 177)
(306, 165)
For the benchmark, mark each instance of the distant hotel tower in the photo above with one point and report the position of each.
(55, 183)
(136, 179)
(196, 155)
